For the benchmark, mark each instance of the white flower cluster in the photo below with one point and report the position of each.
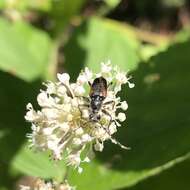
(42, 185)
(63, 124)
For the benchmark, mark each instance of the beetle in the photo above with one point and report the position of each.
(98, 93)
(95, 101)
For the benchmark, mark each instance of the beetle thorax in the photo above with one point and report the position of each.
(96, 103)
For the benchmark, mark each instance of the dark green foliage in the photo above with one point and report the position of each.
(157, 127)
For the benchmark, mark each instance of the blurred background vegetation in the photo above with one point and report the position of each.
(39, 38)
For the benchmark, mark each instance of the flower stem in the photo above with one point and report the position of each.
(66, 173)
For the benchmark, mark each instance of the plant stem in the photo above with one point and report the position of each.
(66, 173)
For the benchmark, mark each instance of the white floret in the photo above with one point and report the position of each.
(63, 125)
(63, 78)
(124, 105)
(121, 117)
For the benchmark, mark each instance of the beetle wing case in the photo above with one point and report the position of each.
(99, 87)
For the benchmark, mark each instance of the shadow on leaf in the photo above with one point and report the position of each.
(158, 117)
(14, 95)
(170, 179)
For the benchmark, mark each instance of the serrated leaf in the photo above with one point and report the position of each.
(158, 129)
(99, 40)
(24, 50)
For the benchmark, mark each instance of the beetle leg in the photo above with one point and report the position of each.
(108, 114)
(109, 102)
(110, 84)
(83, 105)
(69, 92)
(84, 98)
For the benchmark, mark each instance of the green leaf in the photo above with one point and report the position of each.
(106, 7)
(24, 50)
(112, 3)
(44, 5)
(175, 178)
(99, 40)
(2, 3)
(37, 164)
(66, 8)
(158, 123)
(5, 180)
(14, 95)
(173, 3)
(183, 35)
(23, 5)
(147, 51)
(15, 157)
(63, 11)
